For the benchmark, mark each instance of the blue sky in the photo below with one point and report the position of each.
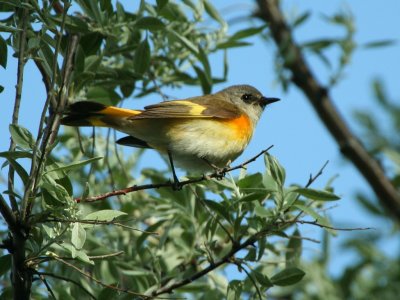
(301, 143)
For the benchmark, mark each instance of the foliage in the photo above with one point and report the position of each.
(150, 242)
(234, 237)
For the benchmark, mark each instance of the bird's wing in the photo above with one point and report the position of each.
(209, 106)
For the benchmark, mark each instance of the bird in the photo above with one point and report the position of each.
(198, 134)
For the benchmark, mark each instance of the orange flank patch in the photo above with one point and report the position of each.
(119, 112)
(242, 127)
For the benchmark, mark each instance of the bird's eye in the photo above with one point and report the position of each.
(246, 97)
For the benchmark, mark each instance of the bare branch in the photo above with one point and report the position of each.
(68, 280)
(319, 97)
(136, 188)
(8, 215)
(48, 287)
(315, 223)
(107, 255)
(99, 222)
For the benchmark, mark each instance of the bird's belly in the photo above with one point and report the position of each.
(197, 143)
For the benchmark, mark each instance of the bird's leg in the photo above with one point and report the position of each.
(176, 184)
(219, 172)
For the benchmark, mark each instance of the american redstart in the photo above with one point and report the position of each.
(198, 133)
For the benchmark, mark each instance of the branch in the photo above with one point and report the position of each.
(8, 215)
(136, 188)
(99, 222)
(17, 102)
(112, 287)
(67, 280)
(315, 223)
(48, 287)
(228, 258)
(320, 99)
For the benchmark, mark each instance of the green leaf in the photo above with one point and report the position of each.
(72, 24)
(377, 44)
(262, 212)
(142, 57)
(20, 171)
(262, 279)
(301, 19)
(5, 264)
(204, 81)
(203, 58)
(149, 23)
(16, 154)
(161, 3)
(258, 195)
(1, 89)
(220, 209)
(57, 191)
(288, 276)
(75, 165)
(320, 219)
(232, 44)
(105, 215)
(241, 34)
(185, 42)
(3, 52)
(47, 56)
(103, 95)
(319, 44)
(294, 248)
(78, 236)
(320, 195)
(235, 289)
(275, 169)
(79, 254)
(213, 13)
(21, 136)
(253, 180)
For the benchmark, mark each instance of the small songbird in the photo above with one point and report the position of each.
(199, 133)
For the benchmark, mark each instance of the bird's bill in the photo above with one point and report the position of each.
(267, 100)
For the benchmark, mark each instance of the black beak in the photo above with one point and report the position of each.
(267, 100)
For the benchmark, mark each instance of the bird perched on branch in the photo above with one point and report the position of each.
(200, 133)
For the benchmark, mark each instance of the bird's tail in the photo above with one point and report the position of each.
(87, 113)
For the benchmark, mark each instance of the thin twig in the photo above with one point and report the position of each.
(27, 202)
(237, 263)
(136, 188)
(315, 223)
(99, 222)
(311, 180)
(319, 173)
(68, 280)
(213, 215)
(107, 255)
(48, 287)
(8, 215)
(17, 103)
